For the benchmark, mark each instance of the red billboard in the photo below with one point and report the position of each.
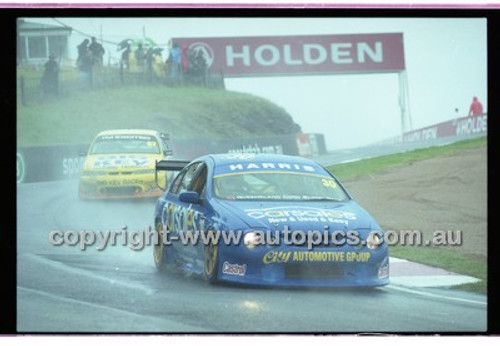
(299, 55)
(469, 125)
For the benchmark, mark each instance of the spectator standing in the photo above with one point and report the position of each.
(82, 50)
(125, 60)
(86, 71)
(50, 78)
(158, 66)
(185, 59)
(149, 64)
(190, 73)
(133, 67)
(140, 56)
(201, 67)
(97, 51)
(476, 108)
(175, 61)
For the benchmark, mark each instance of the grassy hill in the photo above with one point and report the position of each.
(183, 112)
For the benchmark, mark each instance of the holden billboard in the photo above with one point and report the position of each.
(299, 55)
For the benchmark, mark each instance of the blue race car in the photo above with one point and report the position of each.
(273, 220)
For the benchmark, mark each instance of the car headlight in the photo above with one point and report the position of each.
(374, 240)
(252, 239)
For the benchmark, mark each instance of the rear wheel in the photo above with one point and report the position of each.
(211, 260)
(159, 248)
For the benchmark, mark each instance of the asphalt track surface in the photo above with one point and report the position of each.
(63, 289)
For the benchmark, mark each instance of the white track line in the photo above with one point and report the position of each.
(397, 260)
(432, 295)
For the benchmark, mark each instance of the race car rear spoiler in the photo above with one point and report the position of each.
(168, 165)
(171, 165)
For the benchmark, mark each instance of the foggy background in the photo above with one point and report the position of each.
(446, 64)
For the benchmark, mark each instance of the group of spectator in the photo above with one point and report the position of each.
(195, 66)
(90, 58)
(140, 60)
(186, 64)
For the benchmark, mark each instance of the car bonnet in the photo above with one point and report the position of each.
(304, 216)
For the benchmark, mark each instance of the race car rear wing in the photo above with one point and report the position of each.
(168, 165)
(171, 165)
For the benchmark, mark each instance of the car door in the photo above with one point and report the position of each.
(183, 218)
(199, 215)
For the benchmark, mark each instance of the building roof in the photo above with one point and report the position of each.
(25, 26)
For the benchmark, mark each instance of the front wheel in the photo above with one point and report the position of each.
(211, 260)
(159, 249)
(81, 193)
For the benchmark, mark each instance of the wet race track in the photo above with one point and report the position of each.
(64, 289)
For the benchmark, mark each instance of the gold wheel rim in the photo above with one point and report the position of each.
(159, 247)
(210, 259)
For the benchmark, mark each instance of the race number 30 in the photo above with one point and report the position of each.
(329, 183)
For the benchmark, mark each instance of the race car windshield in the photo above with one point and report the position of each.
(125, 144)
(278, 186)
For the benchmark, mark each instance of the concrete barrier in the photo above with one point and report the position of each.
(48, 163)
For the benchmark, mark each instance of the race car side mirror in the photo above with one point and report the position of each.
(165, 136)
(190, 197)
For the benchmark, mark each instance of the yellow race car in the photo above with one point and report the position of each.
(121, 164)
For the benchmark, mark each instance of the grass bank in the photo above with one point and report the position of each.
(183, 112)
(454, 261)
(352, 170)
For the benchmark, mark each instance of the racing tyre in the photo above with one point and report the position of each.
(81, 195)
(211, 260)
(159, 248)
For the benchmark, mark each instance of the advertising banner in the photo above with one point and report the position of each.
(464, 126)
(298, 55)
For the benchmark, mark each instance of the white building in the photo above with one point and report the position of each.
(35, 42)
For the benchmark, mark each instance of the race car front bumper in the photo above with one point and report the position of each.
(344, 266)
(118, 186)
